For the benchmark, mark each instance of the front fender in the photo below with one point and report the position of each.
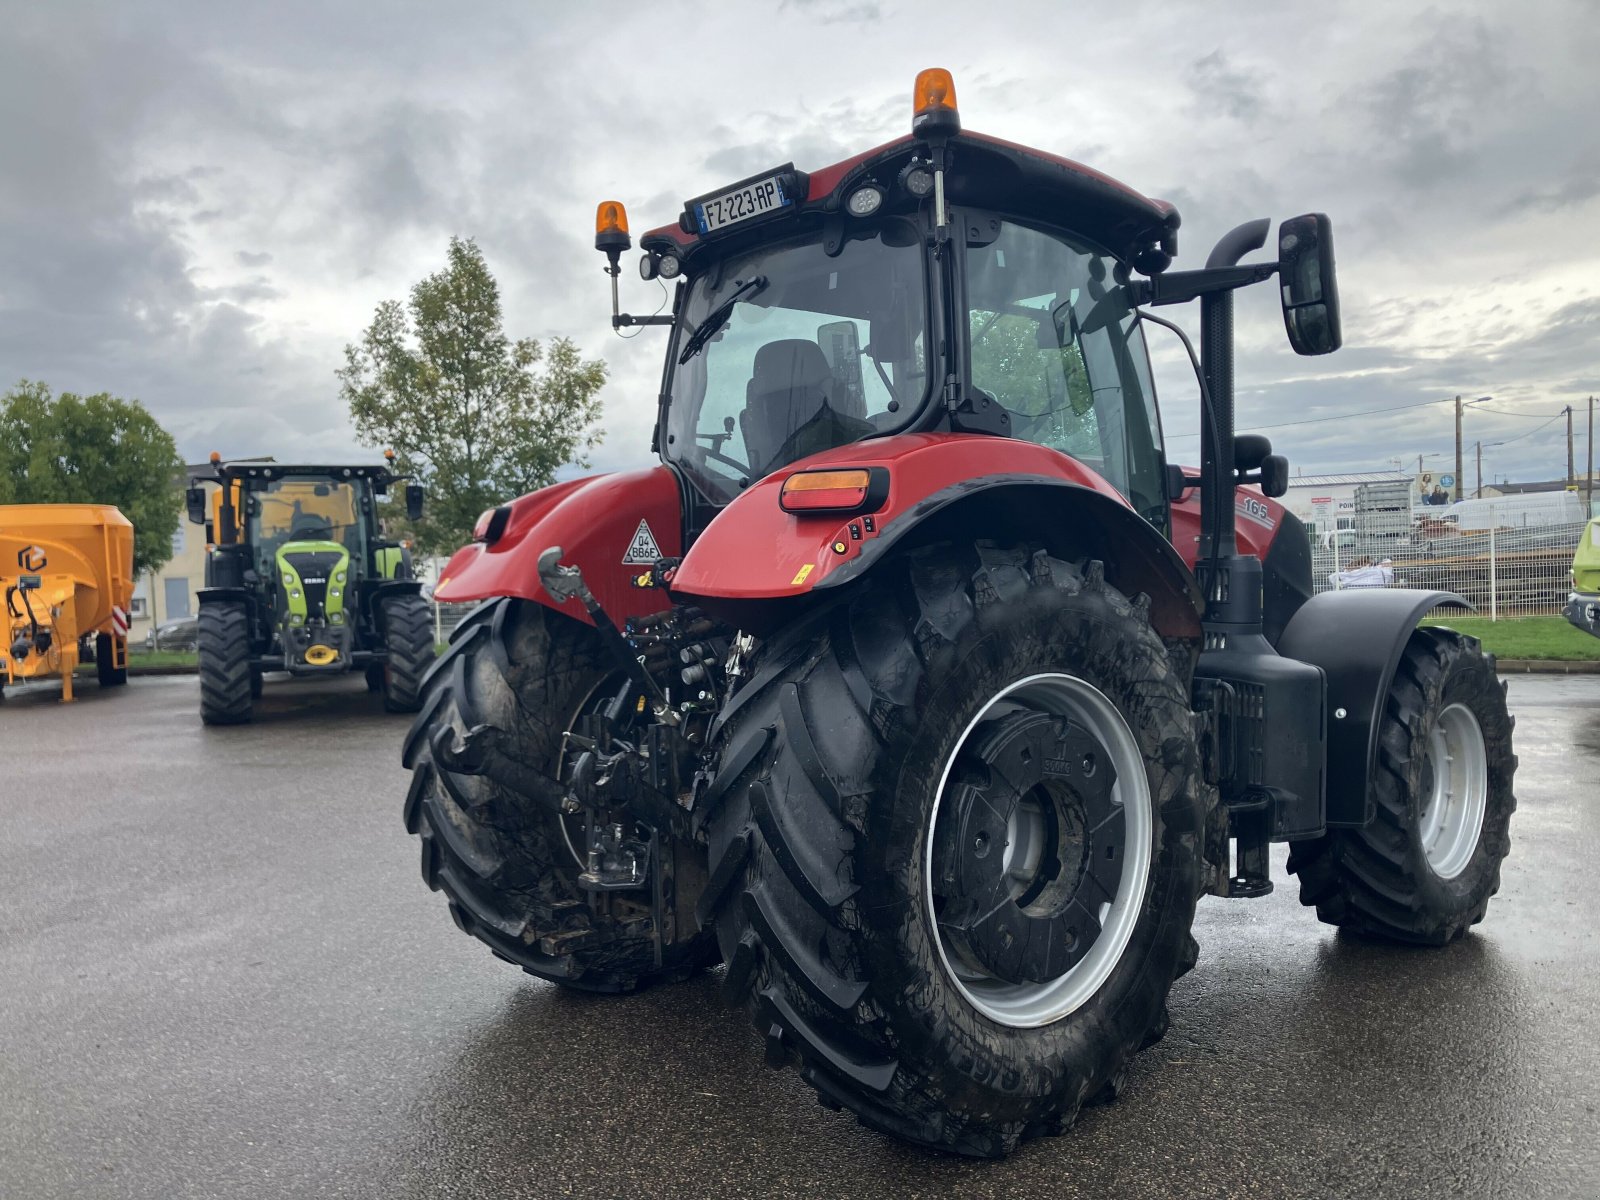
(605, 524)
(754, 551)
(1357, 637)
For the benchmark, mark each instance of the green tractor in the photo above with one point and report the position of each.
(300, 579)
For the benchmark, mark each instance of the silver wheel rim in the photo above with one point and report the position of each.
(1452, 811)
(1034, 1004)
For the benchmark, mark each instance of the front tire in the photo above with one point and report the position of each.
(958, 674)
(224, 645)
(497, 850)
(408, 638)
(1424, 868)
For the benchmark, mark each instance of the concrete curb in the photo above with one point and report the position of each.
(1547, 666)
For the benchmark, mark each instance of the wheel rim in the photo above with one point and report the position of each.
(1058, 864)
(1456, 791)
(595, 699)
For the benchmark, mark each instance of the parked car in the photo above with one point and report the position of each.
(180, 634)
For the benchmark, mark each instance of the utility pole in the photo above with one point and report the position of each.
(1591, 456)
(1479, 493)
(1569, 444)
(1461, 482)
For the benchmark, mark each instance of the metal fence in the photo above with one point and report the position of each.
(1505, 572)
(447, 616)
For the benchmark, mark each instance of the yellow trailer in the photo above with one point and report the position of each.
(66, 571)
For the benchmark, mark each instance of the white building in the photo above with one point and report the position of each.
(1320, 500)
(172, 591)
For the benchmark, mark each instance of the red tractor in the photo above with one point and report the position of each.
(915, 683)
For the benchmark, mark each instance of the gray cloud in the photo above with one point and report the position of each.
(1219, 85)
(200, 208)
(1577, 188)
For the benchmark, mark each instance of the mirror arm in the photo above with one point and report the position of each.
(1180, 287)
(622, 320)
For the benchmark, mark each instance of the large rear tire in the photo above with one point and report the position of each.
(1423, 870)
(105, 662)
(497, 850)
(224, 645)
(966, 708)
(408, 638)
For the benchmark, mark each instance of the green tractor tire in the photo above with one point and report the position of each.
(225, 687)
(408, 637)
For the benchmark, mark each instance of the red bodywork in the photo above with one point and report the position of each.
(1257, 520)
(594, 521)
(755, 550)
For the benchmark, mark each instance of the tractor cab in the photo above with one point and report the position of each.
(944, 282)
(301, 551)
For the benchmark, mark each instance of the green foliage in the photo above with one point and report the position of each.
(1046, 386)
(72, 449)
(476, 417)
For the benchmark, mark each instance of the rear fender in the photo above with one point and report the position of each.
(1357, 637)
(755, 560)
(606, 524)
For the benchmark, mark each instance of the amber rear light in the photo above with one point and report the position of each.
(834, 491)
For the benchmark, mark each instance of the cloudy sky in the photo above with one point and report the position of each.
(200, 204)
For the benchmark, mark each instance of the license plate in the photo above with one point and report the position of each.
(752, 200)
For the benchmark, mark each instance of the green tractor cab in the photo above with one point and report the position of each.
(1583, 602)
(301, 579)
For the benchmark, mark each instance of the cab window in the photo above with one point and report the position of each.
(1052, 338)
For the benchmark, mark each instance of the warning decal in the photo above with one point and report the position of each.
(643, 548)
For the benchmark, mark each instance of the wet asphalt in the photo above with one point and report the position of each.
(221, 975)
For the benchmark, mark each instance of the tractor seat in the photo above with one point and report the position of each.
(788, 389)
(312, 531)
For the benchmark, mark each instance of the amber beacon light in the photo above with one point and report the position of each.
(934, 103)
(611, 226)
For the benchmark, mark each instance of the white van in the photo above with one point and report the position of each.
(1517, 512)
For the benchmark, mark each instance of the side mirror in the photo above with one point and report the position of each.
(1310, 291)
(413, 502)
(1250, 449)
(195, 500)
(841, 346)
(1274, 476)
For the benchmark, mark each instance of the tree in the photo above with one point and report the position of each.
(99, 449)
(476, 417)
(1047, 385)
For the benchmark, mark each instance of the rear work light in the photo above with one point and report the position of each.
(854, 489)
